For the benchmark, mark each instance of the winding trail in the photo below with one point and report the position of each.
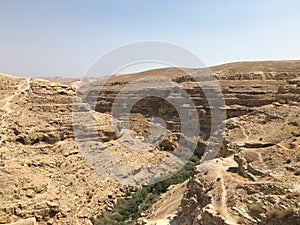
(244, 133)
(22, 87)
(220, 202)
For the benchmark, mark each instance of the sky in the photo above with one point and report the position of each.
(64, 37)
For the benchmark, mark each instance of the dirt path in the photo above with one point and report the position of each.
(168, 205)
(244, 133)
(23, 87)
(220, 201)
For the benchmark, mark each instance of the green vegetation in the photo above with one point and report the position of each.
(128, 209)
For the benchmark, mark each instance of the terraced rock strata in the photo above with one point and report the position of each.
(44, 175)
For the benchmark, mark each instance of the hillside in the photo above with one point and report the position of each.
(254, 180)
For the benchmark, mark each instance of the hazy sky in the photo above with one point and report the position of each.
(63, 37)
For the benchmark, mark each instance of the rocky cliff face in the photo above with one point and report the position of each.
(245, 87)
(255, 180)
(262, 104)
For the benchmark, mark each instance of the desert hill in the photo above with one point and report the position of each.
(42, 173)
(255, 180)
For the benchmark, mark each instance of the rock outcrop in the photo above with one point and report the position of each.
(255, 181)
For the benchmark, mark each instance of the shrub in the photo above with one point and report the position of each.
(278, 214)
(256, 208)
(129, 209)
